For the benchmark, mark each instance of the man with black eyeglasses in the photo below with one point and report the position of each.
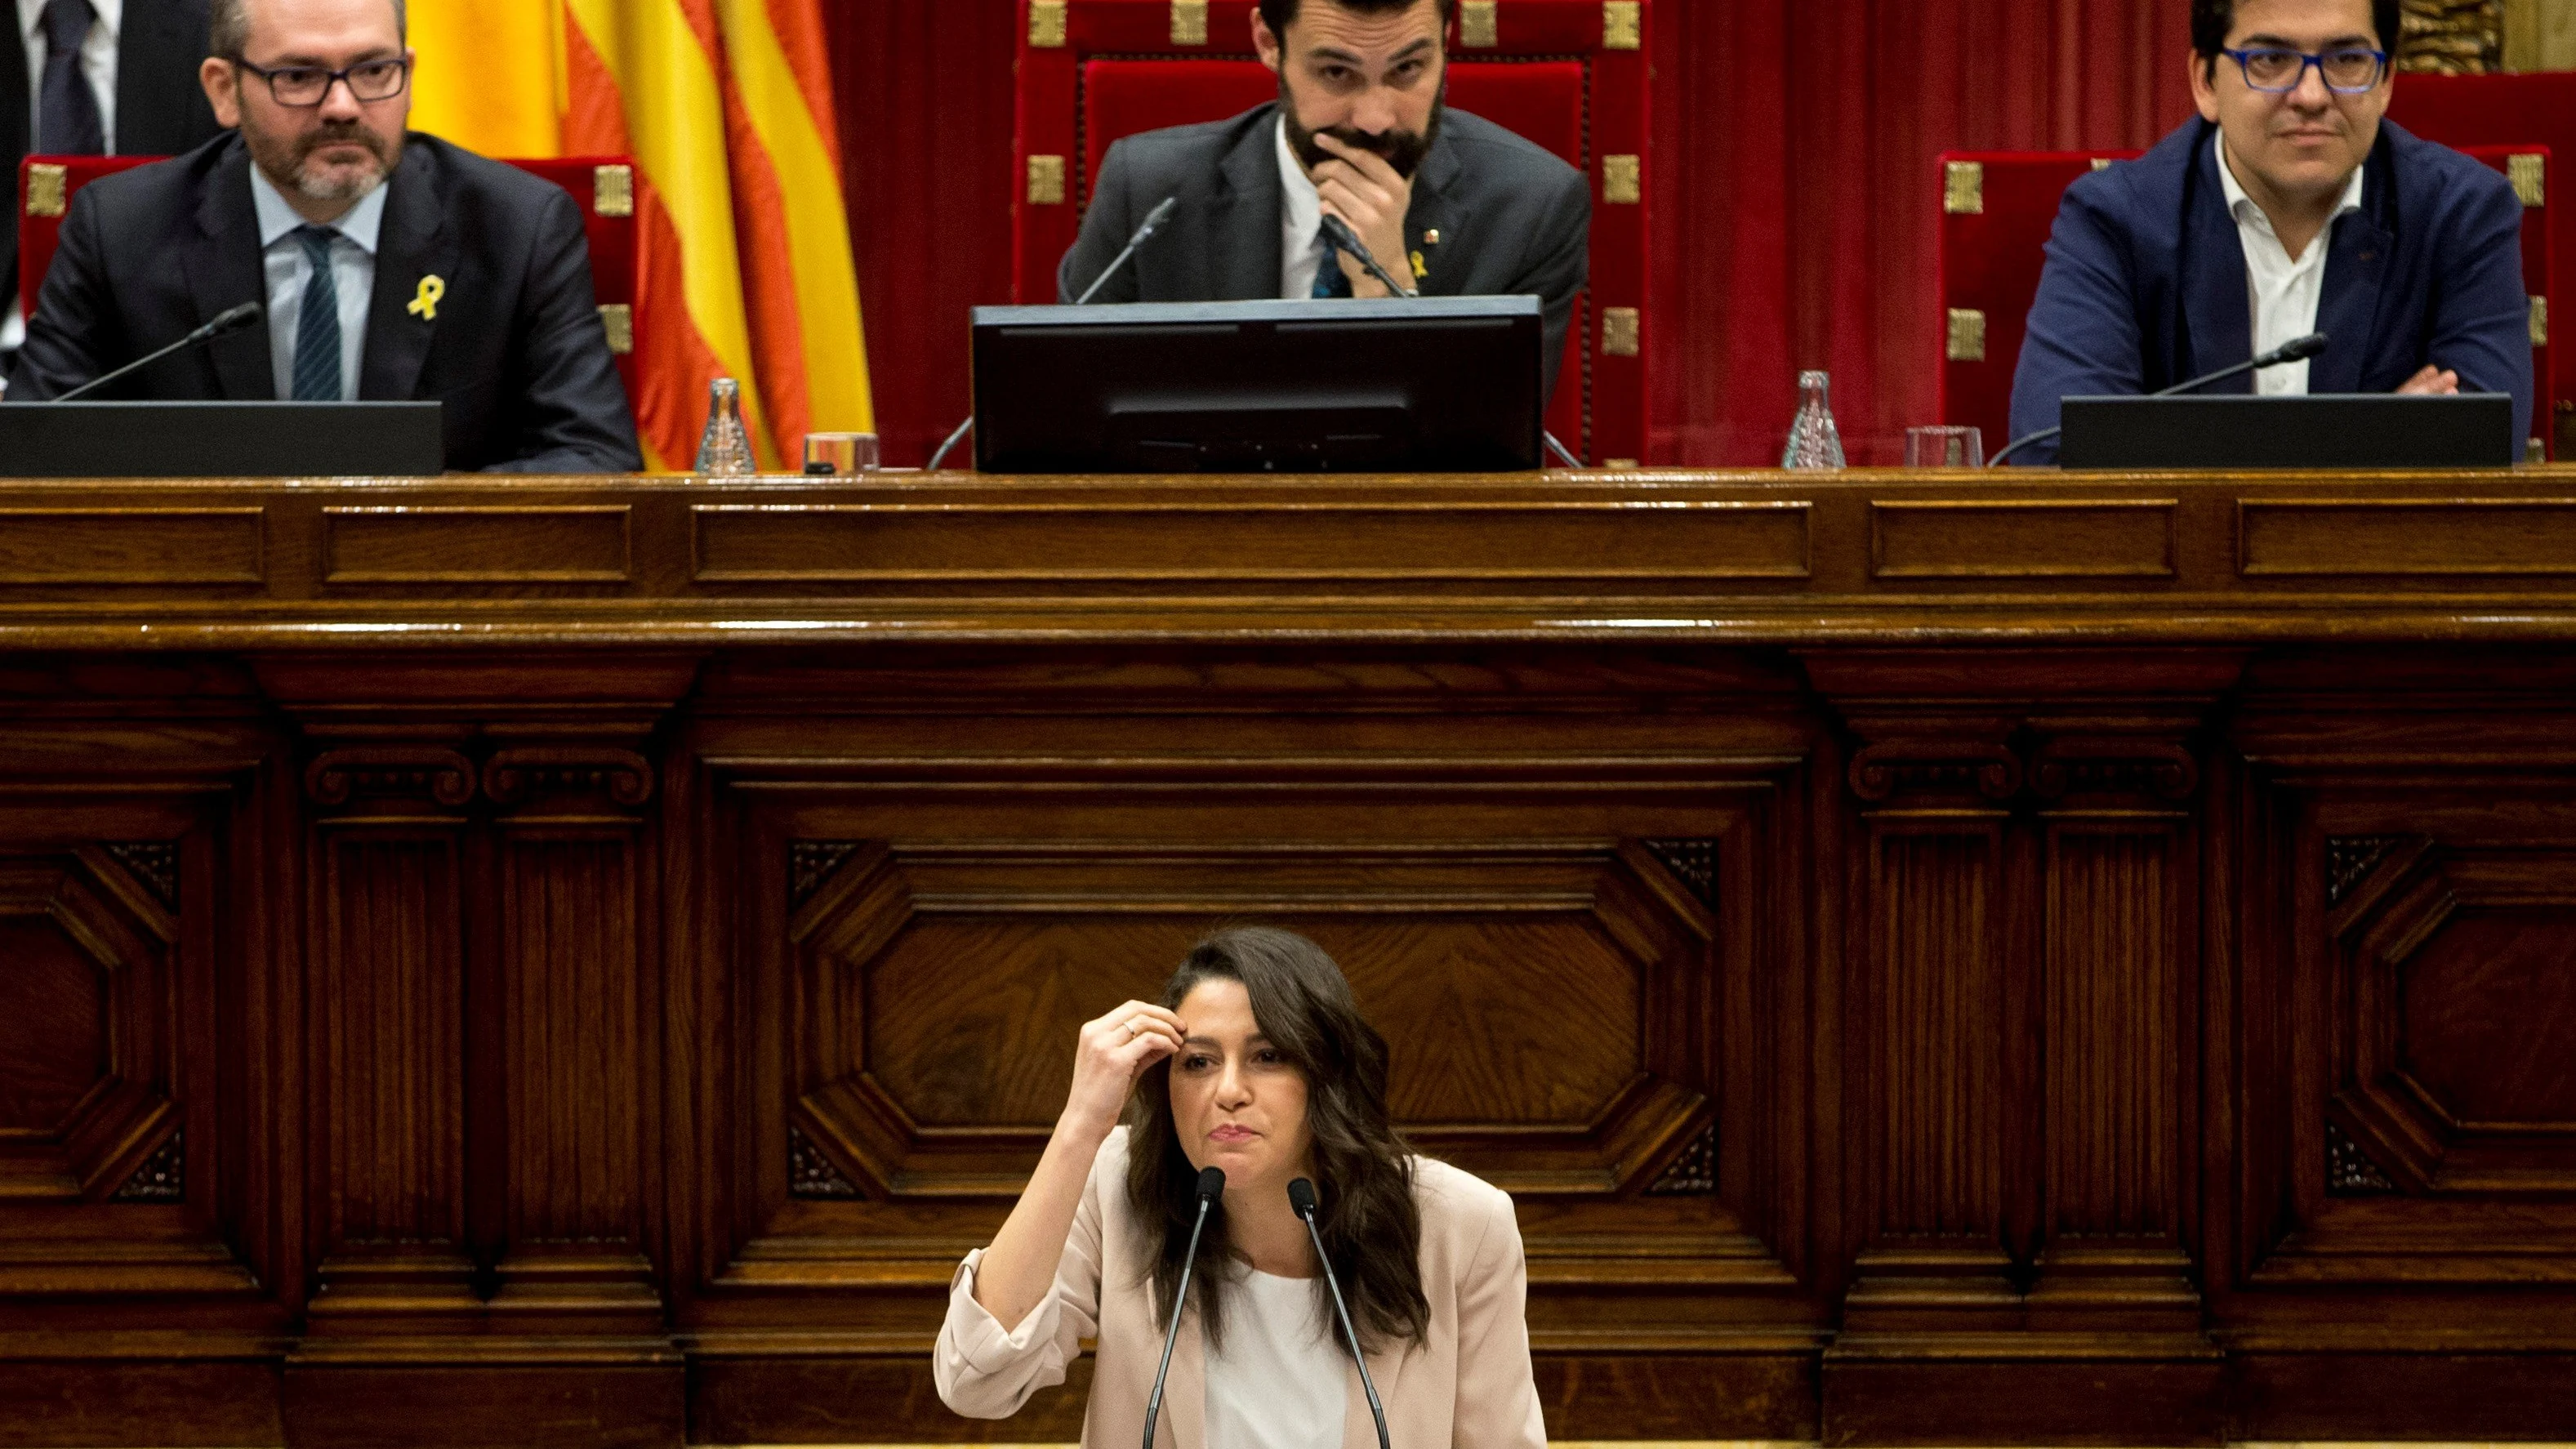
(2291, 206)
(392, 266)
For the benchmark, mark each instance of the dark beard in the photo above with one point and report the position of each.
(1403, 150)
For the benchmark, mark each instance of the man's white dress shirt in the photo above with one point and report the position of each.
(98, 62)
(353, 272)
(1301, 224)
(2282, 293)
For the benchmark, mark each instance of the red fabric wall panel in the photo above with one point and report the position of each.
(1794, 209)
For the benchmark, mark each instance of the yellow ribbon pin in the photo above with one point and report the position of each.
(1421, 268)
(424, 304)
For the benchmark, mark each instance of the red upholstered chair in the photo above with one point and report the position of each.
(604, 187)
(1996, 211)
(1997, 208)
(2518, 113)
(1568, 74)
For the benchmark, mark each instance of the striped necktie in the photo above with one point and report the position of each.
(317, 325)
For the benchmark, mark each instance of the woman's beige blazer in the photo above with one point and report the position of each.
(1468, 1384)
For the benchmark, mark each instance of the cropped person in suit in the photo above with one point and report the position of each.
(1256, 1062)
(99, 78)
(393, 267)
(1362, 131)
(2290, 206)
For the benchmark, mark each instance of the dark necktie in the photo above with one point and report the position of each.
(317, 323)
(67, 122)
(1330, 280)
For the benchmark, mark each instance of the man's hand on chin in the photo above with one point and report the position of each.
(2432, 382)
(1364, 190)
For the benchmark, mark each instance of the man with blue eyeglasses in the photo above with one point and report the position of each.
(2290, 206)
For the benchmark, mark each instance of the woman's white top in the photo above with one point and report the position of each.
(1281, 1381)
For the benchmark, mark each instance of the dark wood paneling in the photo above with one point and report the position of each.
(1932, 966)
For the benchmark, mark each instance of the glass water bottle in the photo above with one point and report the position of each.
(725, 450)
(1814, 441)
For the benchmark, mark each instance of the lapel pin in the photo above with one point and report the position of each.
(1421, 268)
(1431, 238)
(424, 303)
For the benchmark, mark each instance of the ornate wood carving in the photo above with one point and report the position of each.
(162, 1177)
(155, 863)
(810, 862)
(2350, 860)
(1694, 1173)
(1926, 766)
(514, 776)
(812, 1175)
(1693, 863)
(2113, 765)
(2349, 1170)
(424, 773)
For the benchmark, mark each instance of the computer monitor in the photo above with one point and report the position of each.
(1431, 384)
(221, 440)
(2336, 430)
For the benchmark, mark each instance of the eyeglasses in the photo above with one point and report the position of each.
(2274, 71)
(308, 86)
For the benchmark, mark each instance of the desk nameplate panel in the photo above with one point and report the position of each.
(2023, 539)
(2349, 538)
(143, 547)
(1215, 543)
(440, 545)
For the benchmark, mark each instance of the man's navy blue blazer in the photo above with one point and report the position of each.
(2145, 285)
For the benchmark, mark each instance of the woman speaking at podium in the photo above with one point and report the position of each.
(1257, 1065)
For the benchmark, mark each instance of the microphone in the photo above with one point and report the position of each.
(1211, 1187)
(1301, 1200)
(225, 324)
(1153, 223)
(1349, 241)
(2297, 349)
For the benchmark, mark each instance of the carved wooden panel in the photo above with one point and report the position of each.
(87, 1026)
(2458, 1008)
(1515, 988)
(388, 952)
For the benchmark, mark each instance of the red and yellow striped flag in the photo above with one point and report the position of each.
(726, 106)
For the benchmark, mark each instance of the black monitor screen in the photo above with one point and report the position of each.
(1432, 384)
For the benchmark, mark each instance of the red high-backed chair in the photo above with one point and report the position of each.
(2517, 113)
(1997, 208)
(1568, 74)
(603, 186)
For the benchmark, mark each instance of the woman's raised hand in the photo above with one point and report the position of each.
(1115, 1050)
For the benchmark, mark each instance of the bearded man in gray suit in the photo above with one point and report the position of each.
(1362, 131)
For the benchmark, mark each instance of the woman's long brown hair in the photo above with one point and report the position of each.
(1371, 1228)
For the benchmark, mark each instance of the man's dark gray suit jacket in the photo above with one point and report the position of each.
(514, 347)
(160, 108)
(1513, 219)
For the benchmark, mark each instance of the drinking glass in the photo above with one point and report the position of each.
(840, 455)
(1945, 448)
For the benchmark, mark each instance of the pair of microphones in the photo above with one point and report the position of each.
(1301, 1199)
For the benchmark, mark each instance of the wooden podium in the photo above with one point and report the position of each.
(2082, 959)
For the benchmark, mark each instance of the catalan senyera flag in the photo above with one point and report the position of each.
(726, 106)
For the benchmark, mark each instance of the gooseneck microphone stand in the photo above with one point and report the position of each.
(1301, 1199)
(1349, 241)
(1154, 221)
(2297, 349)
(223, 324)
(1211, 1187)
